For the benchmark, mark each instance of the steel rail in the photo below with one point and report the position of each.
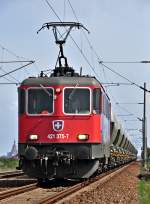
(99, 179)
(62, 194)
(10, 174)
(8, 193)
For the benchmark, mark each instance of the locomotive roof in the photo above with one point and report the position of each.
(61, 80)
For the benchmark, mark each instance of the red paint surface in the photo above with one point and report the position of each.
(73, 125)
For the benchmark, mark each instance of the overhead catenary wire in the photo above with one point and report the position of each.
(9, 83)
(127, 111)
(9, 75)
(84, 33)
(12, 53)
(124, 109)
(90, 45)
(120, 75)
(102, 62)
(7, 79)
(125, 62)
(1, 69)
(31, 62)
(14, 61)
(116, 83)
(1, 66)
(131, 120)
(74, 13)
(18, 59)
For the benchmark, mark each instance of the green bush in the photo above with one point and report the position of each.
(8, 164)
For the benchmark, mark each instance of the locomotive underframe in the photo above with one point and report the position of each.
(62, 160)
(70, 161)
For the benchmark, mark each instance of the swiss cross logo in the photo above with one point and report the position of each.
(58, 125)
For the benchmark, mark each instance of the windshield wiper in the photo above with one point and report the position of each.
(46, 91)
(72, 92)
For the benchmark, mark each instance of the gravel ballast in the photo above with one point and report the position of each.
(122, 188)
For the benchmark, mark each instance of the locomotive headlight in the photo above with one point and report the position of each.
(83, 137)
(58, 90)
(33, 137)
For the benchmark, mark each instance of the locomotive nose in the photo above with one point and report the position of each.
(31, 153)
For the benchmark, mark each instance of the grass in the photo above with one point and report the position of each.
(8, 164)
(144, 188)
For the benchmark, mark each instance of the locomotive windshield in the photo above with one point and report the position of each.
(77, 101)
(40, 101)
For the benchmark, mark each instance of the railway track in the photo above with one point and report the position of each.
(8, 193)
(54, 194)
(10, 174)
(76, 188)
(14, 179)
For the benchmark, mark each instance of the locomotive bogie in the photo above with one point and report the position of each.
(47, 169)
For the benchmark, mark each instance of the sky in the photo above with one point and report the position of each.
(119, 31)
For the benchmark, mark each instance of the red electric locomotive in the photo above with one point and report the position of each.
(64, 126)
(64, 123)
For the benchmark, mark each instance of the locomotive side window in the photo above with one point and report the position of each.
(97, 100)
(106, 107)
(40, 101)
(21, 101)
(77, 101)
